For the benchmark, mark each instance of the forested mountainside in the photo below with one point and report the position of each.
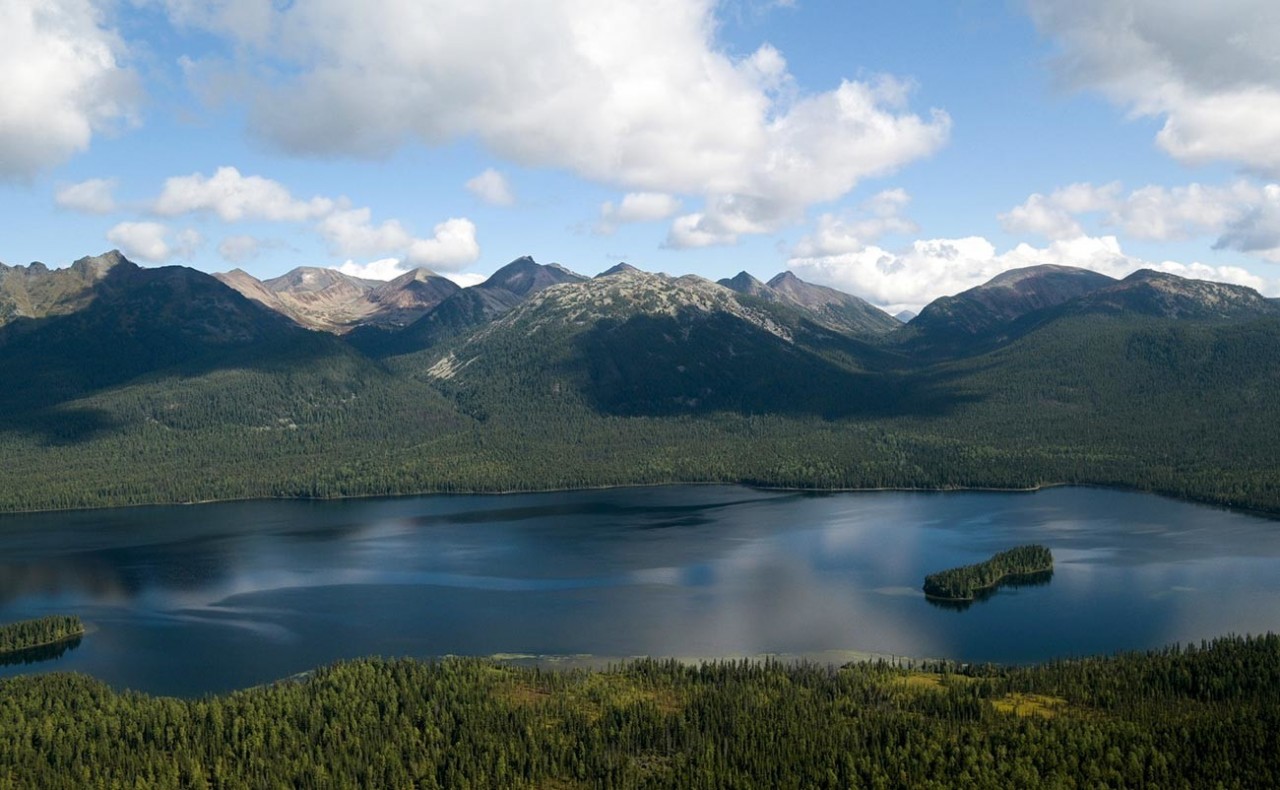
(1192, 717)
(129, 385)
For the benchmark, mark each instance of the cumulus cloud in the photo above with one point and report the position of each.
(381, 269)
(913, 277)
(391, 268)
(351, 232)
(152, 241)
(1245, 216)
(492, 187)
(1054, 216)
(92, 197)
(234, 197)
(1257, 230)
(697, 230)
(878, 216)
(452, 245)
(636, 207)
(64, 80)
(239, 248)
(582, 87)
(1161, 213)
(1208, 69)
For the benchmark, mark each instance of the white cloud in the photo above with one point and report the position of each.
(347, 231)
(697, 230)
(351, 232)
(239, 248)
(150, 241)
(234, 197)
(1208, 69)
(92, 196)
(465, 279)
(189, 240)
(492, 187)
(64, 80)
(1245, 216)
(636, 207)
(1160, 213)
(141, 240)
(1257, 230)
(927, 269)
(879, 215)
(1054, 216)
(381, 269)
(391, 268)
(452, 245)
(580, 86)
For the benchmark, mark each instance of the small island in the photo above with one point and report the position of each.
(41, 632)
(962, 584)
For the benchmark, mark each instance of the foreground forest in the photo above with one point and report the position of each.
(1191, 717)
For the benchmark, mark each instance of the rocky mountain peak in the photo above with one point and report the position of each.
(617, 269)
(524, 276)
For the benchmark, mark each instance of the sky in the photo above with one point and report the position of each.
(899, 150)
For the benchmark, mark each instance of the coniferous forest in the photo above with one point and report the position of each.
(960, 584)
(27, 634)
(1193, 717)
(170, 387)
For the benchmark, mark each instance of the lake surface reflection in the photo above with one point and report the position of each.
(187, 600)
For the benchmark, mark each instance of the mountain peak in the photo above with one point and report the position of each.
(784, 279)
(524, 276)
(744, 283)
(1003, 299)
(618, 269)
(96, 266)
(313, 279)
(1151, 292)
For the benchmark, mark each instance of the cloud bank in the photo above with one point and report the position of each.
(1208, 69)
(577, 86)
(910, 278)
(64, 81)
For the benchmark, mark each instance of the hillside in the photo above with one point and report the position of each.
(828, 307)
(329, 300)
(633, 343)
(988, 313)
(166, 385)
(469, 308)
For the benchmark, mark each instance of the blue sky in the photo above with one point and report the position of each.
(896, 150)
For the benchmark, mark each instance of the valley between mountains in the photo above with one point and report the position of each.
(130, 385)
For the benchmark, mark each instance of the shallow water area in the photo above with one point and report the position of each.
(193, 599)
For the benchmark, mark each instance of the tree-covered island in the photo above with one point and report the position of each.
(961, 584)
(42, 631)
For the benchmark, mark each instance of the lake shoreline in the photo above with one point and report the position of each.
(1242, 509)
(51, 643)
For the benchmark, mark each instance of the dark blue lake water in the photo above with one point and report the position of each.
(187, 600)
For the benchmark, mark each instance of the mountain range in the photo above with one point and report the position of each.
(130, 384)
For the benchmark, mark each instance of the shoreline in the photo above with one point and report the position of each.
(571, 489)
(50, 643)
(1243, 509)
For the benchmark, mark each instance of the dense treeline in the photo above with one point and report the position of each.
(1182, 717)
(1180, 409)
(961, 584)
(27, 634)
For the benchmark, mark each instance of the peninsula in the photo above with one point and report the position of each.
(40, 632)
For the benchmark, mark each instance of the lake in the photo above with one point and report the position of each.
(193, 599)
